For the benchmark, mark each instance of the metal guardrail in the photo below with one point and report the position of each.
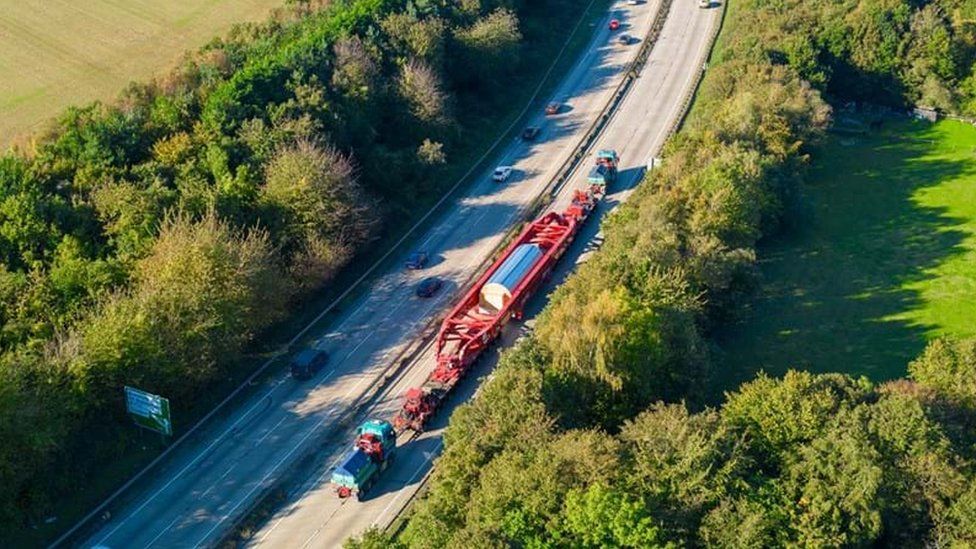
(406, 356)
(569, 167)
(85, 522)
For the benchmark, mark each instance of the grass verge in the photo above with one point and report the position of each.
(883, 260)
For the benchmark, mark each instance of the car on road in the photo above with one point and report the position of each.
(501, 173)
(614, 24)
(307, 363)
(530, 133)
(633, 2)
(429, 286)
(624, 39)
(417, 260)
(553, 108)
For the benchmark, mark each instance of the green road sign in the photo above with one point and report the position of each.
(149, 410)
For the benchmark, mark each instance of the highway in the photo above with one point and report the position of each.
(207, 485)
(312, 515)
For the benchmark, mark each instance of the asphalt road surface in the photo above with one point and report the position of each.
(209, 484)
(312, 515)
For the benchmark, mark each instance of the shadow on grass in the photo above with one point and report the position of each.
(832, 285)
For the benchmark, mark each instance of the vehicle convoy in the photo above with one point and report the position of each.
(372, 453)
(604, 172)
(475, 321)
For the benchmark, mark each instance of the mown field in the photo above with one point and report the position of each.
(882, 260)
(55, 53)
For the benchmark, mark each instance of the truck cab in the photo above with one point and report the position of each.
(604, 171)
(373, 450)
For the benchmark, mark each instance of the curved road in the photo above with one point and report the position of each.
(312, 515)
(209, 484)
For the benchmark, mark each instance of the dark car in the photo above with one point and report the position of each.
(530, 133)
(624, 39)
(307, 362)
(429, 286)
(417, 260)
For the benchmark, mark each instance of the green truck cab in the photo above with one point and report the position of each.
(604, 172)
(372, 453)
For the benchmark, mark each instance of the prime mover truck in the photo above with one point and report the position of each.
(372, 452)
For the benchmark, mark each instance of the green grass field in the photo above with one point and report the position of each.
(55, 53)
(882, 260)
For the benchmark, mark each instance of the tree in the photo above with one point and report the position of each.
(431, 153)
(199, 296)
(488, 49)
(835, 482)
(601, 516)
(949, 368)
(779, 415)
(421, 88)
(321, 213)
(355, 70)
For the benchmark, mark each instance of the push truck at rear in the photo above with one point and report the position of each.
(372, 452)
(604, 171)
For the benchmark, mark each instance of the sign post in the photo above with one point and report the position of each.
(149, 411)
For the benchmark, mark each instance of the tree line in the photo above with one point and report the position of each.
(149, 240)
(592, 432)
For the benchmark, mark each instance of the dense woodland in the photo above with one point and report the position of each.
(592, 431)
(149, 241)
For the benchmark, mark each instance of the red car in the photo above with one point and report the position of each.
(614, 24)
(553, 108)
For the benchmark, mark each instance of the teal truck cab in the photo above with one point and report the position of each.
(605, 170)
(372, 452)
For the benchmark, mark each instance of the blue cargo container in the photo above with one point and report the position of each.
(374, 449)
(497, 291)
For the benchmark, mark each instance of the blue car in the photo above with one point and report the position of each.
(429, 286)
(417, 260)
(307, 362)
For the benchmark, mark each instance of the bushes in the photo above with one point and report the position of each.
(820, 460)
(149, 241)
(862, 465)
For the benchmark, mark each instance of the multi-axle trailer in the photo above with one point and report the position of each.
(500, 294)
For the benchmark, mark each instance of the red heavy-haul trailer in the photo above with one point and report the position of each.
(498, 295)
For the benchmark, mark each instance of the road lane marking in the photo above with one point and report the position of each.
(427, 459)
(206, 451)
(178, 517)
(192, 462)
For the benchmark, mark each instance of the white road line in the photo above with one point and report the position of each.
(263, 479)
(691, 76)
(215, 483)
(192, 462)
(271, 430)
(412, 479)
(178, 517)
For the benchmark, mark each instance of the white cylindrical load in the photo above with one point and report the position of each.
(497, 291)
